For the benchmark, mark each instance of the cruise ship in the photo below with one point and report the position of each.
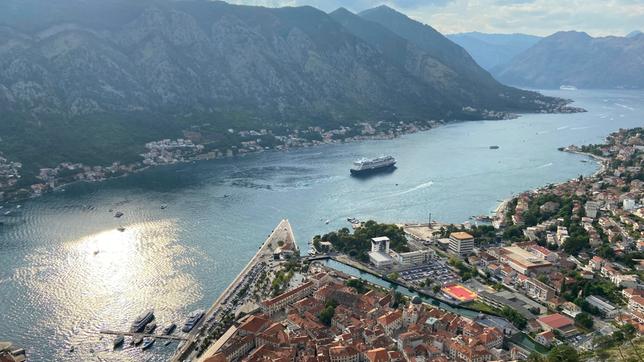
(366, 166)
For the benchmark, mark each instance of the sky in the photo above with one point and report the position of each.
(538, 17)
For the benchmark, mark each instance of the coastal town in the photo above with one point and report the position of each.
(199, 143)
(554, 276)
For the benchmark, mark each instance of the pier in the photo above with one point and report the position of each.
(134, 334)
(282, 232)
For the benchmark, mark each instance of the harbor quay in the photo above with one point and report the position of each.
(279, 244)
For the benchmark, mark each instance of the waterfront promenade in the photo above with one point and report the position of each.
(282, 232)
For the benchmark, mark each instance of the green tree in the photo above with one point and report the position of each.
(515, 317)
(563, 353)
(393, 276)
(536, 357)
(326, 315)
(358, 285)
(584, 319)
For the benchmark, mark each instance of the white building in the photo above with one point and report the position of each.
(379, 255)
(461, 243)
(606, 308)
(629, 204)
(380, 260)
(380, 244)
(414, 257)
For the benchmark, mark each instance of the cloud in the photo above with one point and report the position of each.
(540, 17)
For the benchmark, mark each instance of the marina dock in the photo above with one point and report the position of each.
(134, 334)
(282, 232)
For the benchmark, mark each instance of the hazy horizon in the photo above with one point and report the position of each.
(533, 17)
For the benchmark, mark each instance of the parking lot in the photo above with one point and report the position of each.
(435, 270)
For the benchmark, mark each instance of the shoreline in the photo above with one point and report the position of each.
(499, 212)
(200, 158)
(413, 127)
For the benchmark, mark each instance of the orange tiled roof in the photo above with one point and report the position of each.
(390, 317)
(556, 321)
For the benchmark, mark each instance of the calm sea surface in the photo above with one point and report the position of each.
(66, 271)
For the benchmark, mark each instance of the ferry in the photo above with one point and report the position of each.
(141, 321)
(366, 166)
(193, 319)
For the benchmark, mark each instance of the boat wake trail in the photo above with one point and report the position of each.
(416, 188)
(546, 165)
(624, 106)
(562, 128)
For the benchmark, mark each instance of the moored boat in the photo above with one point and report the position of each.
(147, 343)
(141, 321)
(149, 329)
(193, 319)
(167, 330)
(118, 341)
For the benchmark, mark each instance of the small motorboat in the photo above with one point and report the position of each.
(164, 206)
(147, 343)
(121, 229)
(168, 342)
(118, 214)
(167, 330)
(137, 340)
(118, 341)
(149, 329)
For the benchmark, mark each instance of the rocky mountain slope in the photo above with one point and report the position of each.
(91, 81)
(492, 50)
(577, 59)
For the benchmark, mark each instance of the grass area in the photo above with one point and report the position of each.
(627, 352)
(480, 306)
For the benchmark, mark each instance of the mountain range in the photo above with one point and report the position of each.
(92, 81)
(577, 59)
(493, 50)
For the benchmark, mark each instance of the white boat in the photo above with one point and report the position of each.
(568, 87)
(366, 166)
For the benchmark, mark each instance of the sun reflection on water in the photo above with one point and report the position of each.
(110, 276)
